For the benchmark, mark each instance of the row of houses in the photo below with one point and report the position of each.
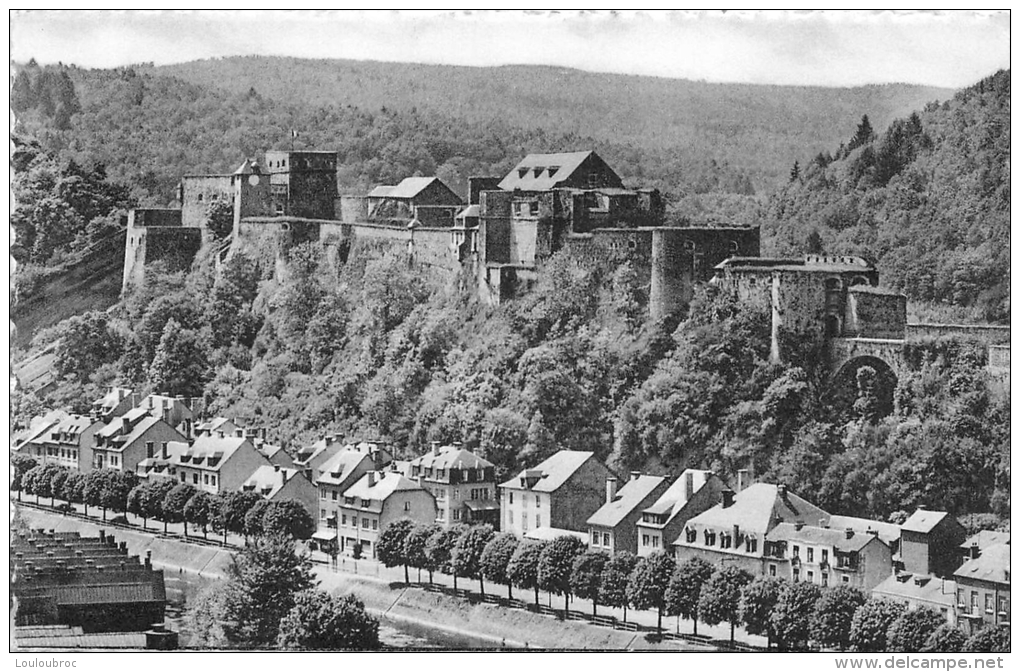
(356, 489)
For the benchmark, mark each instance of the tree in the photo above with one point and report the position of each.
(414, 547)
(263, 581)
(235, 506)
(523, 568)
(137, 505)
(791, 619)
(720, 597)
(20, 465)
(154, 498)
(289, 517)
(86, 342)
(219, 218)
(944, 639)
(58, 480)
(649, 582)
(684, 591)
(833, 614)
(321, 622)
(911, 630)
(795, 172)
(199, 511)
(32, 482)
(180, 366)
(440, 547)
(870, 624)
(556, 563)
(586, 577)
(95, 481)
(254, 518)
(116, 487)
(74, 487)
(391, 549)
(615, 579)
(466, 556)
(992, 639)
(867, 407)
(496, 558)
(174, 504)
(757, 603)
(865, 134)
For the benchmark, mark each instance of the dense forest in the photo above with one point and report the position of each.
(374, 349)
(927, 200)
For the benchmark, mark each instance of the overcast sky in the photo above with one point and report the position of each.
(951, 49)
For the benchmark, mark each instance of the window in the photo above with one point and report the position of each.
(322, 493)
(456, 493)
(441, 515)
(510, 517)
(825, 555)
(365, 503)
(336, 495)
(796, 575)
(989, 603)
(212, 479)
(511, 498)
(772, 570)
(183, 477)
(150, 447)
(456, 514)
(205, 479)
(796, 551)
(846, 579)
(973, 602)
(810, 576)
(538, 520)
(375, 524)
(343, 520)
(644, 540)
(364, 523)
(538, 502)
(810, 554)
(605, 540)
(200, 197)
(322, 514)
(655, 541)
(825, 579)
(407, 506)
(194, 479)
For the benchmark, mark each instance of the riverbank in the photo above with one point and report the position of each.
(500, 626)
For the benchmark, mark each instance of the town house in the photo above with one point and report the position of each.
(376, 500)
(66, 441)
(336, 475)
(982, 588)
(216, 464)
(561, 492)
(827, 557)
(130, 438)
(117, 401)
(661, 523)
(463, 484)
(614, 526)
(279, 484)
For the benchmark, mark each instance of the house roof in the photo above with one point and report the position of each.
(673, 500)
(991, 565)
(553, 472)
(308, 454)
(451, 457)
(923, 520)
(887, 532)
(40, 426)
(338, 469)
(382, 191)
(75, 639)
(470, 211)
(113, 397)
(409, 187)
(212, 425)
(918, 587)
(208, 452)
(137, 430)
(756, 507)
(114, 593)
(386, 483)
(822, 536)
(268, 480)
(543, 171)
(632, 495)
(248, 167)
(550, 533)
(986, 538)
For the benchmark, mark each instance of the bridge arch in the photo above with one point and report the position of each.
(842, 389)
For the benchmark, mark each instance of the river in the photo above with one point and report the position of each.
(413, 636)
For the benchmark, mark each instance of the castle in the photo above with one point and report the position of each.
(510, 226)
(507, 228)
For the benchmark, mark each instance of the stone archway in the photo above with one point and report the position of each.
(843, 384)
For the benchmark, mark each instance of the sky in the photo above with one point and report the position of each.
(827, 48)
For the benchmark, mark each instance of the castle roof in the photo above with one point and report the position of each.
(408, 188)
(248, 167)
(870, 289)
(541, 172)
(811, 263)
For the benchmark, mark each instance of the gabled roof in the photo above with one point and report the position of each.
(213, 425)
(41, 426)
(268, 480)
(991, 565)
(382, 191)
(673, 500)
(248, 167)
(632, 495)
(550, 533)
(208, 452)
(542, 172)
(451, 457)
(137, 431)
(887, 532)
(409, 187)
(470, 211)
(986, 538)
(386, 483)
(822, 536)
(757, 507)
(113, 397)
(343, 465)
(923, 520)
(553, 472)
(918, 587)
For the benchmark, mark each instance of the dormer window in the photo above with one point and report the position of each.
(552, 170)
(521, 172)
(538, 171)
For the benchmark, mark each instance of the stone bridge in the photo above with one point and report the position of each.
(888, 353)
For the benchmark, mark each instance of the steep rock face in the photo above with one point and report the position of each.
(93, 283)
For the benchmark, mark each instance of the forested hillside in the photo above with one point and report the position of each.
(762, 129)
(927, 200)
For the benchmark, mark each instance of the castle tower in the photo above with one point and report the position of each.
(252, 193)
(303, 183)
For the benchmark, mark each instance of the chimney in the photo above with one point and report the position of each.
(798, 525)
(688, 485)
(420, 480)
(166, 451)
(849, 533)
(743, 479)
(219, 433)
(149, 398)
(102, 536)
(263, 432)
(308, 474)
(435, 448)
(239, 433)
(782, 492)
(610, 489)
(634, 475)
(371, 479)
(975, 551)
(276, 467)
(148, 559)
(329, 441)
(727, 498)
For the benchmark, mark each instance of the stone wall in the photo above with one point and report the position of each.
(875, 314)
(198, 191)
(986, 332)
